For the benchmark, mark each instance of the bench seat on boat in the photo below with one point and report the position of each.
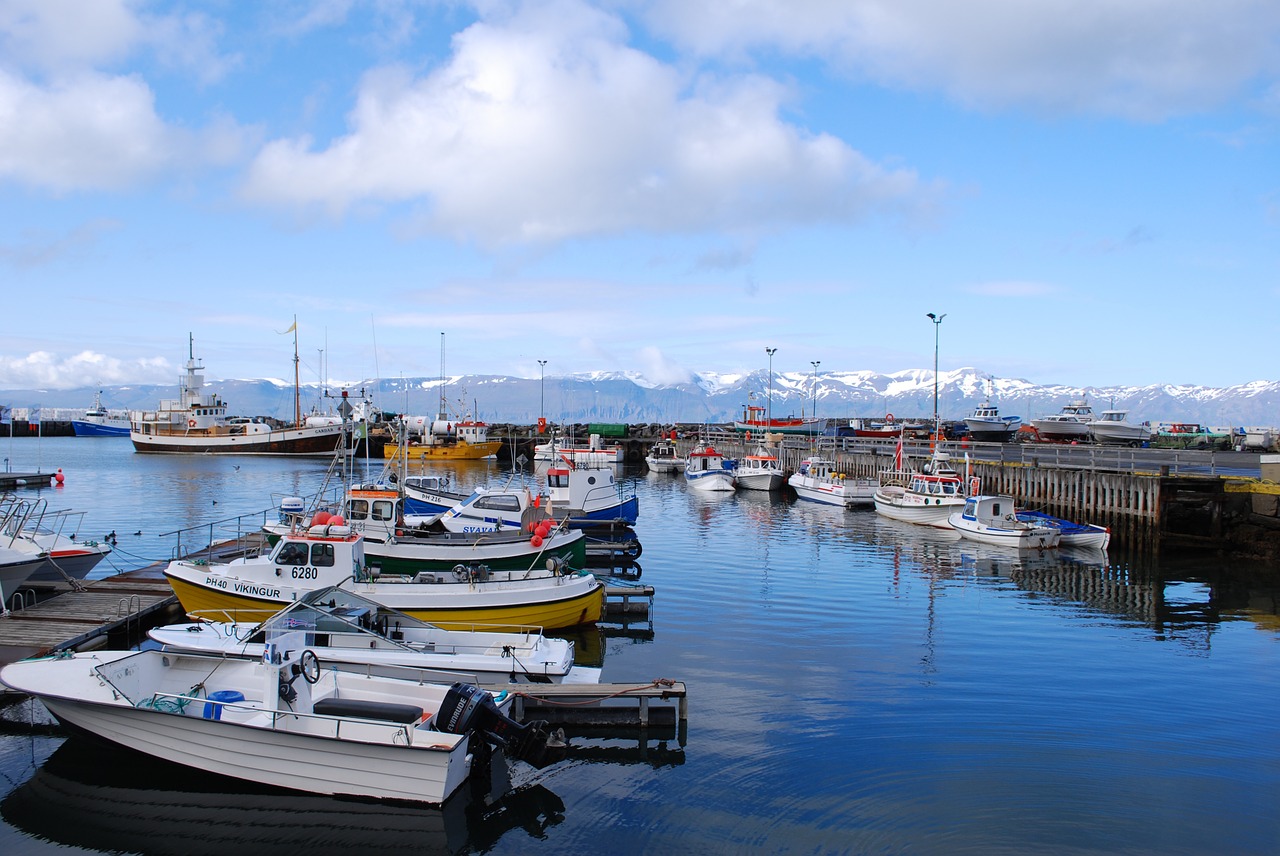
(368, 709)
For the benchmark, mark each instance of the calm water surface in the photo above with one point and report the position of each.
(856, 686)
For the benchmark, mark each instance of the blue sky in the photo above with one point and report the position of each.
(1090, 190)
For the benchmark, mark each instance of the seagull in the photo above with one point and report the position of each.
(236, 467)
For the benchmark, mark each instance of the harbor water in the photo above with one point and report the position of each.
(855, 685)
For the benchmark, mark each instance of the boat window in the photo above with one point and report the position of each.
(501, 503)
(384, 510)
(995, 509)
(359, 509)
(558, 480)
(292, 553)
(322, 555)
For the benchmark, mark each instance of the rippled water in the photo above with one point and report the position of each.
(855, 685)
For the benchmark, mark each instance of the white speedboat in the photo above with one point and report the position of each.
(818, 481)
(285, 719)
(993, 520)
(28, 527)
(707, 470)
(760, 470)
(664, 457)
(927, 498)
(344, 627)
(466, 598)
(1071, 423)
(1114, 427)
(986, 425)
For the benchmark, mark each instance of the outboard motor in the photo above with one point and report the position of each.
(469, 708)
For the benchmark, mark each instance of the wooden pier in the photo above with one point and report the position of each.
(661, 702)
(10, 481)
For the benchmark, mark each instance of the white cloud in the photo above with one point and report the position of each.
(52, 35)
(97, 132)
(45, 370)
(1141, 59)
(657, 367)
(545, 125)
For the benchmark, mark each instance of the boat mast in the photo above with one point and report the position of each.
(442, 387)
(297, 396)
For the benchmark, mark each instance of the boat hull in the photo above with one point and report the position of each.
(780, 426)
(409, 555)
(759, 480)
(1121, 434)
(460, 451)
(97, 429)
(710, 481)
(317, 441)
(911, 509)
(1021, 538)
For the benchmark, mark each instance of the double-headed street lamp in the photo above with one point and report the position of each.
(937, 324)
(769, 412)
(815, 364)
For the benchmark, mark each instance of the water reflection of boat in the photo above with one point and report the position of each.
(125, 803)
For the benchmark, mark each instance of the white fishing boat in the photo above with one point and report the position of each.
(993, 520)
(397, 543)
(927, 498)
(285, 719)
(347, 628)
(986, 425)
(706, 469)
(468, 596)
(588, 496)
(664, 457)
(760, 470)
(1071, 423)
(817, 480)
(1114, 427)
(197, 423)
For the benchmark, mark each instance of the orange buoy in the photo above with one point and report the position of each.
(59, 478)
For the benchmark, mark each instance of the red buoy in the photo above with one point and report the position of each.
(58, 477)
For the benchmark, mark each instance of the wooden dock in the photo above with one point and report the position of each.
(83, 618)
(661, 702)
(9, 481)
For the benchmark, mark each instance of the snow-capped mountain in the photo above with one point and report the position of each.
(706, 397)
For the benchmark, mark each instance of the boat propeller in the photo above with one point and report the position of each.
(468, 708)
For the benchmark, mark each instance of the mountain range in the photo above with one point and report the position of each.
(711, 398)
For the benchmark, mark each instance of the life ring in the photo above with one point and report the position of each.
(191, 423)
(748, 436)
(888, 417)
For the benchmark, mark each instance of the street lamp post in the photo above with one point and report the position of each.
(937, 325)
(542, 393)
(815, 364)
(769, 411)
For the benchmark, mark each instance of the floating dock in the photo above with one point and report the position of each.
(9, 481)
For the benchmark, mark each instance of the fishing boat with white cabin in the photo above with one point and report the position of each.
(927, 497)
(986, 425)
(818, 480)
(256, 586)
(664, 457)
(1069, 424)
(760, 470)
(705, 469)
(97, 421)
(1113, 427)
(197, 423)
